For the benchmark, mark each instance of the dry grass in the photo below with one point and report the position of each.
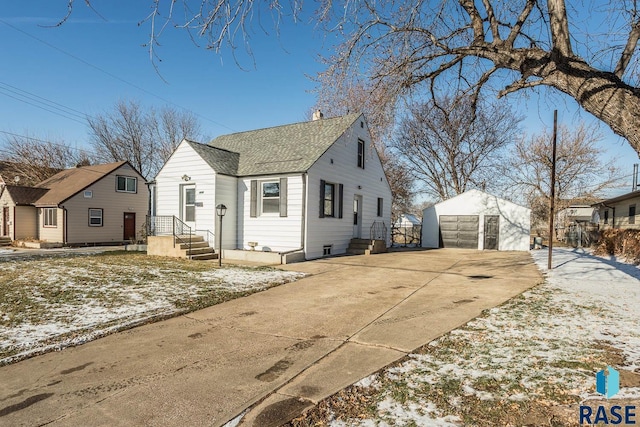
(50, 302)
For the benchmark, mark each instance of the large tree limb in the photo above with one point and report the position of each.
(628, 51)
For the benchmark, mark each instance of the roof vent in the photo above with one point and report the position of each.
(317, 115)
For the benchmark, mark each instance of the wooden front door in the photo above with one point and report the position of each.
(129, 226)
(5, 221)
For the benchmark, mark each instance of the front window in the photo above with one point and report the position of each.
(127, 184)
(95, 217)
(50, 217)
(271, 197)
(329, 198)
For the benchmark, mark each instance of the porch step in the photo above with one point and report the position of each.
(204, 257)
(194, 245)
(366, 247)
(5, 241)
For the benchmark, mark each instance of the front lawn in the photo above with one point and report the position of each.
(48, 303)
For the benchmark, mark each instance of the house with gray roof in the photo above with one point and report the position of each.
(308, 187)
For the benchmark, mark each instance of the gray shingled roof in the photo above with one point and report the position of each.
(282, 149)
(222, 161)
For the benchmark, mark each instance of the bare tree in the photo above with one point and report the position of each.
(145, 138)
(448, 150)
(581, 174)
(34, 160)
(516, 44)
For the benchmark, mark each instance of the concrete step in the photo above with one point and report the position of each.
(204, 257)
(362, 241)
(360, 246)
(199, 251)
(194, 245)
(5, 241)
(194, 238)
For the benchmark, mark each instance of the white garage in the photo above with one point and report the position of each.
(476, 220)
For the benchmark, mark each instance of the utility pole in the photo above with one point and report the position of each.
(553, 187)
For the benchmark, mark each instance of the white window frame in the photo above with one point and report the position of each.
(126, 184)
(92, 215)
(50, 217)
(263, 198)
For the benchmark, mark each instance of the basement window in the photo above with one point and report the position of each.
(326, 250)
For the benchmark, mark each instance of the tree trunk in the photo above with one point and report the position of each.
(602, 94)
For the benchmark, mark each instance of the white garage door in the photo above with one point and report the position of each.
(459, 231)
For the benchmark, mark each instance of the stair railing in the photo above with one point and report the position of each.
(378, 231)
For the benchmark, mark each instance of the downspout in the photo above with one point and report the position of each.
(14, 223)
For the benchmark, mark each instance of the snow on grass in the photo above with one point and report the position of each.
(543, 346)
(53, 302)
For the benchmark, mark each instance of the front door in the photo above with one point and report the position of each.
(129, 226)
(357, 216)
(188, 212)
(491, 231)
(5, 221)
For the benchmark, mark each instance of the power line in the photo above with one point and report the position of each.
(95, 67)
(40, 99)
(82, 150)
(30, 101)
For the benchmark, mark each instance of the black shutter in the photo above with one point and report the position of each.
(322, 183)
(253, 210)
(283, 196)
(340, 194)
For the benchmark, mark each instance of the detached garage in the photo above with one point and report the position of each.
(476, 220)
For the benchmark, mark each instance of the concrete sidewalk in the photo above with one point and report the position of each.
(276, 352)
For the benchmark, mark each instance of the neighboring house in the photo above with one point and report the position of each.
(476, 220)
(308, 187)
(19, 215)
(407, 230)
(85, 205)
(618, 212)
(571, 218)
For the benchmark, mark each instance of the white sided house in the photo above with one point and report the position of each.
(306, 188)
(476, 220)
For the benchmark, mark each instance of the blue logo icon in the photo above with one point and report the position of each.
(608, 382)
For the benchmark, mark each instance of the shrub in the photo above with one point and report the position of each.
(624, 243)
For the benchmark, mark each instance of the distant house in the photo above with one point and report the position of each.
(308, 187)
(572, 218)
(85, 205)
(407, 230)
(618, 212)
(476, 220)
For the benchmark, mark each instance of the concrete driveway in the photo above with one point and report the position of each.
(274, 353)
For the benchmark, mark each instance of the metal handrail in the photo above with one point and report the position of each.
(181, 229)
(378, 231)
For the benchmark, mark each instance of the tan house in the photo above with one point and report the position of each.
(619, 212)
(84, 205)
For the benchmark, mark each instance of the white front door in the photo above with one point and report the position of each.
(188, 211)
(357, 216)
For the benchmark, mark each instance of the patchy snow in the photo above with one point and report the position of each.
(540, 345)
(57, 302)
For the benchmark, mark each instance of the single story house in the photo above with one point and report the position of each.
(476, 220)
(618, 212)
(308, 187)
(85, 205)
